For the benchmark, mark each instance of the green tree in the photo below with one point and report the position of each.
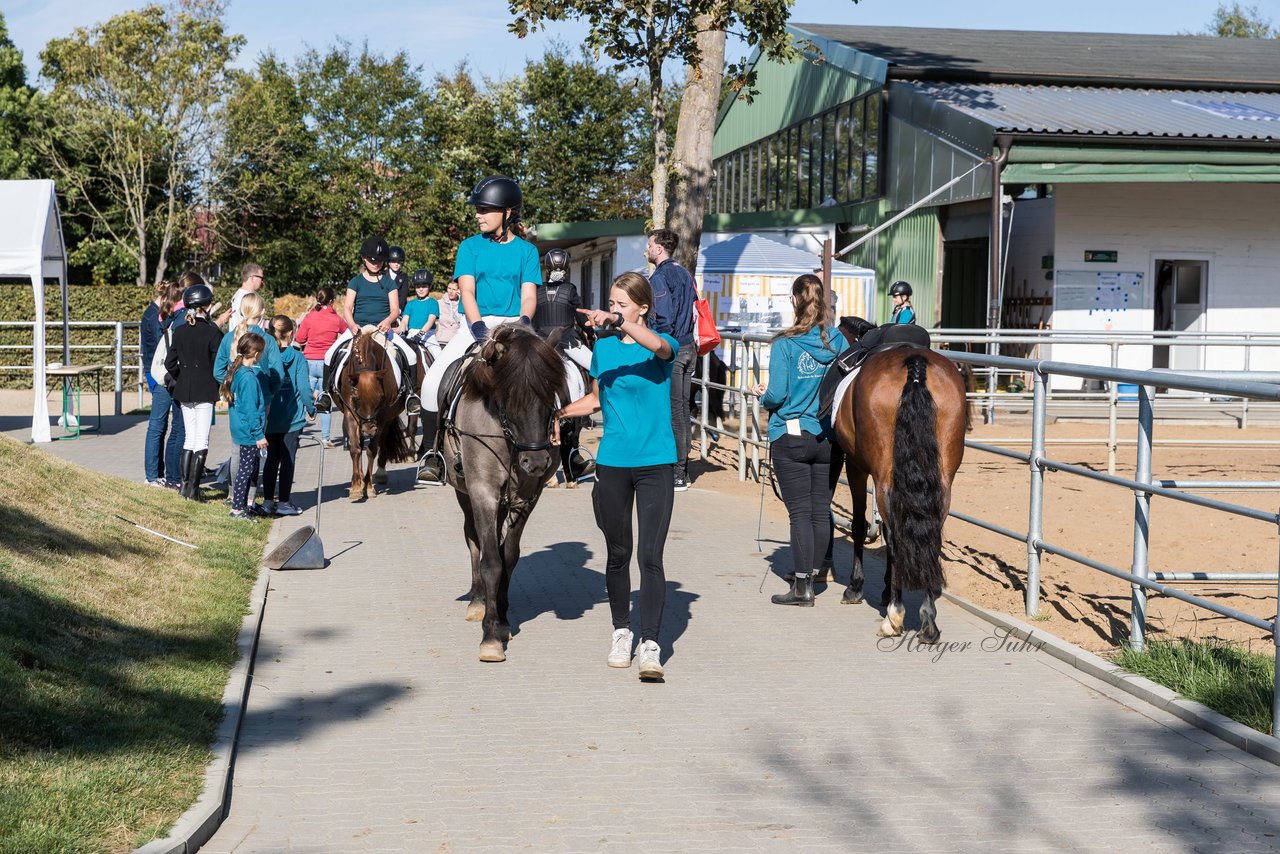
(646, 34)
(17, 103)
(1240, 22)
(586, 141)
(131, 120)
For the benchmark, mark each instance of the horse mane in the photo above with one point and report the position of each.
(519, 369)
(854, 328)
(360, 351)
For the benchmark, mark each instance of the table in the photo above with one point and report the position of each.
(78, 373)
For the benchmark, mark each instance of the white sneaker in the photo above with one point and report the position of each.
(620, 649)
(649, 655)
(288, 508)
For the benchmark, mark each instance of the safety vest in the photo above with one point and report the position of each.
(555, 311)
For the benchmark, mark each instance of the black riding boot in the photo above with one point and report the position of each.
(431, 463)
(324, 402)
(801, 592)
(197, 473)
(184, 467)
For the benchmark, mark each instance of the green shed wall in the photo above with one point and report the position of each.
(908, 249)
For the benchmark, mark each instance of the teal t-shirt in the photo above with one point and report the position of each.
(499, 270)
(635, 402)
(373, 299)
(419, 311)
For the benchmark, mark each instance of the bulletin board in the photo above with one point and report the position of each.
(1098, 293)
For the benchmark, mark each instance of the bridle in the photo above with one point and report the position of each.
(358, 367)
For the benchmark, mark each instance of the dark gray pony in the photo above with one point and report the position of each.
(498, 454)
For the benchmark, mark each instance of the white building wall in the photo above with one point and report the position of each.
(1235, 227)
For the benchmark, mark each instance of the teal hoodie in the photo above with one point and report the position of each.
(797, 365)
(292, 402)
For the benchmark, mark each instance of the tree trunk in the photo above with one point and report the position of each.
(658, 110)
(691, 166)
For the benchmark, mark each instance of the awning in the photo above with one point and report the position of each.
(1044, 164)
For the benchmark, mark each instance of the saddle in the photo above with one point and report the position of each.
(399, 364)
(848, 362)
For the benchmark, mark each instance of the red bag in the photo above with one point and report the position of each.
(705, 333)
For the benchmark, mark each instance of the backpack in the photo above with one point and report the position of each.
(158, 371)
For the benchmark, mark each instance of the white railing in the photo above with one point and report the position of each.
(125, 358)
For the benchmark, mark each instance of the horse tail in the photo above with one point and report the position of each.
(915, 514)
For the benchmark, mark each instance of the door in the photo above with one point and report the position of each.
(1180, 300)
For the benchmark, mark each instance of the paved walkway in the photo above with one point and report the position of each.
(372, 726)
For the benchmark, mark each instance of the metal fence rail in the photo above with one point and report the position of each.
(743, 364)
(125, 359)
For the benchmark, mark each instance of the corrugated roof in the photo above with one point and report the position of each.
(1011, 56)
(1152, 113)
(751, 253)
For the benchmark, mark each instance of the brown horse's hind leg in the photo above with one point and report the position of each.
(858, 530)
(929, 632)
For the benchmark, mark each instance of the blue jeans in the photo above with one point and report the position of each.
(315, 372)
(161, 456)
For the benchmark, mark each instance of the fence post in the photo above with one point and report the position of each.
(755, 414)
(119, 366)
(1275, 691)
(742, 411)
(704, 405)
(1141, 520)
(1035, 521)
(1244, 407)
(1113, 405)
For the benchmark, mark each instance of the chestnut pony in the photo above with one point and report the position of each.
(902, 424)
(369, 397)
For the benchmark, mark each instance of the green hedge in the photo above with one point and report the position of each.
(105, 303)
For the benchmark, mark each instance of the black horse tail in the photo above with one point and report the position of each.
(914, 514)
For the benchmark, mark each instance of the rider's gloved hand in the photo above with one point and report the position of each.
(524, 319)
(479, 331)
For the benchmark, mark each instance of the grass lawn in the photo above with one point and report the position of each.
(114, 651)
(1227, 679)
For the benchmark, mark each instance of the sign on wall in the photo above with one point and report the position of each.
(1097, 293)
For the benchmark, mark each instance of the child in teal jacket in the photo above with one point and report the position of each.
(248, 416)
(291, 408)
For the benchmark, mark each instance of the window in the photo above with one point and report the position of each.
(830, 157)
(586, 293)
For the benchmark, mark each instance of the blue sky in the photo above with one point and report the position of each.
(439, 34)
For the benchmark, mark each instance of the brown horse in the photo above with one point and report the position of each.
(370, 400)
(902, 424)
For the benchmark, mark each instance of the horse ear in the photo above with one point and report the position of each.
(554, 338)
(498, 349)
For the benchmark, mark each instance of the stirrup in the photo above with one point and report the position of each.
(324, 403)
(412, 404)
(425, 477)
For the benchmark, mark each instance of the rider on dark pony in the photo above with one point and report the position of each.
(371, 301)
(499, 274)
(558, 306)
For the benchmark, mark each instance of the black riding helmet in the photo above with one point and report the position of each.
(422, 278)
(374, 249)
(197, 296)
(395, 255)
(497, 191)
(557, 259)
(900, 287)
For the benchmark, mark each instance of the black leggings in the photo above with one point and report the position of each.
(282, 451)
(652, 490)
(802, 464)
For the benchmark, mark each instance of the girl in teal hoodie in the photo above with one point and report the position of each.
(800, 443)
(290, 409)
(248, 410)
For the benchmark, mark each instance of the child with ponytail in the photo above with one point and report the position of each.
(290, 409)
(248, 409)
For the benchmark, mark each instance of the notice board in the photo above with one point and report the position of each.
(1097, 293)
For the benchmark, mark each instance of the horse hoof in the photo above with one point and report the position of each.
(491, 650)
(570, 484)
(475, 612)
(929, 635)
(888, 630)
(851, 597)
(380, 476)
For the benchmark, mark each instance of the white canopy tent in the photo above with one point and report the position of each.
(31, 247)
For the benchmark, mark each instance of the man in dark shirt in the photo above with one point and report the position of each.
(673, 297)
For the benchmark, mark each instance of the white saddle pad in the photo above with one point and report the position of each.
(841, 389)
(345, 353)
